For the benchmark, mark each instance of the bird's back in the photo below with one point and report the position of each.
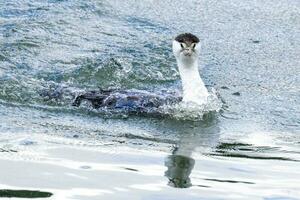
(133, 101)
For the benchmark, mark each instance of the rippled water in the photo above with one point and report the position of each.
(250, 55)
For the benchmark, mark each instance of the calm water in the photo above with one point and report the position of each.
(250, 55)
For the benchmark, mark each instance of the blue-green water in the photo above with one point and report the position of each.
(250, 55)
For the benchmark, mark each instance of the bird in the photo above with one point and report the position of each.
(186, 49)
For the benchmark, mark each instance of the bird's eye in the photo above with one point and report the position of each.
(181, 45)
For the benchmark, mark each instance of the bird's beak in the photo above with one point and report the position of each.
(188, 51)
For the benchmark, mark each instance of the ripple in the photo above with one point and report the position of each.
(228, 181)
(248, 151)
(24, 194)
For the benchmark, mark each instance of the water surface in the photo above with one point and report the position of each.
(250, 55)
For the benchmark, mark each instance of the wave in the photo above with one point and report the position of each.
(192, 111)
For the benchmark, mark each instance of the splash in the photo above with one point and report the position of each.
(191, 111)
(166, 104)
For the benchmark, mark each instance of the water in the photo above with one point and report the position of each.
(250, 55)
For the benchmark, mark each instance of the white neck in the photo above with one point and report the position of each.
(194, 89)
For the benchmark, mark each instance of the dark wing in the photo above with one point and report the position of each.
(134, 101)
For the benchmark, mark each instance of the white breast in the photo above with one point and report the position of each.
(194, 89)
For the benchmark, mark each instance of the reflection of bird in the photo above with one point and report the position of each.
(179, 170)
(186, 50)
(193, 137)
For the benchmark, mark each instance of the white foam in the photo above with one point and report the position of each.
(193, 111)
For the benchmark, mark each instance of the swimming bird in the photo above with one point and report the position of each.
(186, 48)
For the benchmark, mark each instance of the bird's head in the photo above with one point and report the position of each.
(186, 47)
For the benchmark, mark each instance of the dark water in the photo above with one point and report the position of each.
(250, 55)
(24, 194)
